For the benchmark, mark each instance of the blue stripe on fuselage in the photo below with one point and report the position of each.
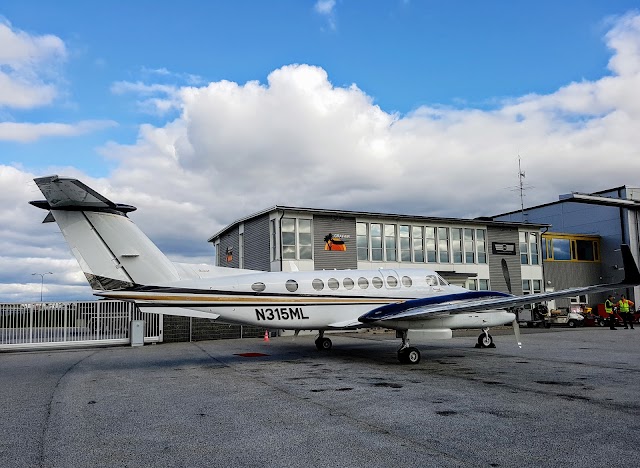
(390, 310)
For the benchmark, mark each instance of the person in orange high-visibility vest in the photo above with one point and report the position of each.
(608, 308)
(626, 311)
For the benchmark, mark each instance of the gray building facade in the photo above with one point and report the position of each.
(467, 252)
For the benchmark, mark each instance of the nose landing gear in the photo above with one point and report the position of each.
(407, 354)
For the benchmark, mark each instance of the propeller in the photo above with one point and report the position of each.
(516, 332)
(505, 273)
(507, 279)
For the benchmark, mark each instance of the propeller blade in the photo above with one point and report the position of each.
(505, 273)
(516, 332)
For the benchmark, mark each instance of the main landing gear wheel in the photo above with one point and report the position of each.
(485, 341)
(323, 344)
(409, 355)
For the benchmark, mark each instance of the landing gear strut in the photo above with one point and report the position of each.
(407, 354)
(485, 340)
(322, 343)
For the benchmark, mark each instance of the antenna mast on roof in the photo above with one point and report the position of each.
(521, 176)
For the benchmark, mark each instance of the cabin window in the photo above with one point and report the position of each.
(363, 283)
(406, 282)
(291, 285)
(258, 287)
(377, 282)
(333, 283)
(318, 284)
(347, 283)
(392, 281)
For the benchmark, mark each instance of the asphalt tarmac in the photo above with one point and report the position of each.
(568, 398)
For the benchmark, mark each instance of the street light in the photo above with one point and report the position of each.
(41, 280)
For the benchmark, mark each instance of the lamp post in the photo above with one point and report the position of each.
(41, 280)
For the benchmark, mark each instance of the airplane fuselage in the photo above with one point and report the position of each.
(311, 300)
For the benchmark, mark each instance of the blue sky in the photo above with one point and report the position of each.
(164, 103)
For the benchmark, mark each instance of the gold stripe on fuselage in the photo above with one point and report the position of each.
(254, 299)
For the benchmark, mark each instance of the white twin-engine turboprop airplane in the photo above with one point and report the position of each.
(120, 262)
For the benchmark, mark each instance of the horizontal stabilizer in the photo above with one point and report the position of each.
(71, 194)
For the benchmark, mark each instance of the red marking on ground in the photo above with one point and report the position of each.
(251, 354)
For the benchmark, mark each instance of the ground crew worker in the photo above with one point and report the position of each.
(626, 312)
(608, 308)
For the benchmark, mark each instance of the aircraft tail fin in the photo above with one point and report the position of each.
(111, 250)
(631, 273)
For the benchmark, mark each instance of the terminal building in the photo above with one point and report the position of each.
(466, 252)
(582, 242)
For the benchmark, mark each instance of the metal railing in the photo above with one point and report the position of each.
(61, 324)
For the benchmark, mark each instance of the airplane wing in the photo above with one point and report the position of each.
(476, 301)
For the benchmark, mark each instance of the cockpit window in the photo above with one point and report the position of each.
(443, 282)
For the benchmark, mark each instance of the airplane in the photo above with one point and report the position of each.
(121, 262)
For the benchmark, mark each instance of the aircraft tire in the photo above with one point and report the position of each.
(409, 355)
(485, 340)
(323, 344)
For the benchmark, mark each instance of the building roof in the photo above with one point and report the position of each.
(371, 214)
(595, 198)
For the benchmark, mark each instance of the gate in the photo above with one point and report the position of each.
(63, 324)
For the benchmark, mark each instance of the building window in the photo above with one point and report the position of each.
(456, 245)
(405, 244)
(469, 247)
(274, 246)
(430, 244)
(376, 242)
(478, 284)
(524, 248)
(288, 229)
(418, 244)
(390, 242)
(529, 251)
(443, 245)
(304, 239)
(562, 247)
(481, 245)
(533, 248)
(297, 241)
(362, 240)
